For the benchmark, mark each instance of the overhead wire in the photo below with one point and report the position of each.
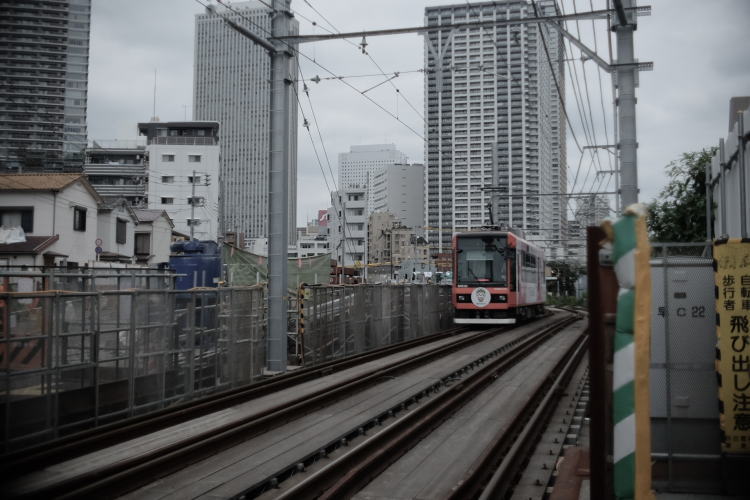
(396, 117)
(297, 51)
(372, 59)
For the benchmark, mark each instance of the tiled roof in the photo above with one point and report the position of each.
(36, 182)
(148, 215)
(33, 245)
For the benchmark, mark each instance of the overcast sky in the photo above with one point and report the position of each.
(683, 105)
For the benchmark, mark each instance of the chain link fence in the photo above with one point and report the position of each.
(684, 392)
(74, 360)
(339, 321)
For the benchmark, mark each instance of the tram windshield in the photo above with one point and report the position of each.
(481, 259)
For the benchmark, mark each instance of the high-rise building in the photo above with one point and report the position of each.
(231, 85)
(592, 210)
(183, 174)
(493, 121)
(44, 54)
(399, 189)
(361, 160)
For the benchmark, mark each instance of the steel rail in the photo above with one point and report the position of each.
(351, 472)
(513, 447)
(129, 474)
(90, 440)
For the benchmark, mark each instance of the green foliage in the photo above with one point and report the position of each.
(567, 273)
(566, 301)
(679, 213)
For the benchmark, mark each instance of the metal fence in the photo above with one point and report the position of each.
(30, 279)
(340, 321)
(684, 392)
(73, 360)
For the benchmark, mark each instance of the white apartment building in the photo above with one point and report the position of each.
(493, 120)
(231, 85)
(183, 174)
(361, 161)
(399, 189)
(310, 246)
(347, 226)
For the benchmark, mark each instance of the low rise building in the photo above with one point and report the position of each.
(118, 169)
(58, 216)
(310, 246)
(392, 244)
(153, 237)
(116, 223)
(347, 226)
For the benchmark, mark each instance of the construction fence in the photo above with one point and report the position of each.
(338, 321)
(74, 360)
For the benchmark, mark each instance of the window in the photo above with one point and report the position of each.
(196, 200)
(121, 234)
(167, 179)
(142, 244)
(167, 158)
(79, 219)
(194, 158)
(167, 201)
(194, 180)
(18, 216)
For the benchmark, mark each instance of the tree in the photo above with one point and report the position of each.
(679, 214)
(567, 273)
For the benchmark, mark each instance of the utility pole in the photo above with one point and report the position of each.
(278, 194)
(626, 68)
(192, 208)
(278, 176)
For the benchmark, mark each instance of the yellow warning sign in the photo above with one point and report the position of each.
(732, 267)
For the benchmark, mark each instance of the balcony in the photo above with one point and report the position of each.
(184, 141)
(123, 190)
(117, 169)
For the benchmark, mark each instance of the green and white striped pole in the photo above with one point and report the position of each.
(623, 386)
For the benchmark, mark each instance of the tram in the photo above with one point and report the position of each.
(498, 278)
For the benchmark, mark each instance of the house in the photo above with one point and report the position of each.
(153, 236)
(116, 221)
(59, 219)
(58, 214)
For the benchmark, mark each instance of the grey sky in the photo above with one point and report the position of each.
(682, 105)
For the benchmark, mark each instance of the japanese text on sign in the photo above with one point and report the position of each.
(733, 330)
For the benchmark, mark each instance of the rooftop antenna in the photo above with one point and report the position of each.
(154, 118)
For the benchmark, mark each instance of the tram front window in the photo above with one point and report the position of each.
(481, 259)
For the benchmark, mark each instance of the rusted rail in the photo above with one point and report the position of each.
(347, 475)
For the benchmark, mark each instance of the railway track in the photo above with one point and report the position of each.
(119, 475)
(489, 476)
(80, 443)
(130, 463)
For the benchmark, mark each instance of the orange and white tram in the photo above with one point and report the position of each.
(498, 278)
